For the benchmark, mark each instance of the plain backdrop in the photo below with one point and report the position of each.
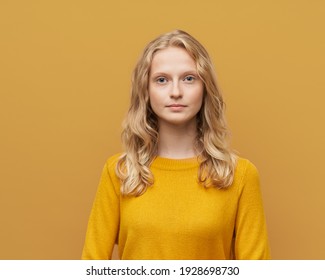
(65, 69)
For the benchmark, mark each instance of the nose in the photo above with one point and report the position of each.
(176, 91)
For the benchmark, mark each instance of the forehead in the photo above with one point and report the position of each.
(173, 59)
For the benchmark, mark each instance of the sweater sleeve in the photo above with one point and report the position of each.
(251, 241)
(103, 223)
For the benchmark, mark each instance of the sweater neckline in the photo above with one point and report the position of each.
(175, 164)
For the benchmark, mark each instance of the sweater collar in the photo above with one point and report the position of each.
(175, 164)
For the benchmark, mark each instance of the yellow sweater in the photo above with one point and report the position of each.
(177, 218)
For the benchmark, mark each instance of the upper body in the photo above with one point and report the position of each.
(177, 218)
(178, 191)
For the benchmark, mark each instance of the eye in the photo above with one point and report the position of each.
(189, 79)
(161, 80)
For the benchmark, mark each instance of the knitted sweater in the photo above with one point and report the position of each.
(177, 218)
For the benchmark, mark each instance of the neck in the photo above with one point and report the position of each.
(177, 141)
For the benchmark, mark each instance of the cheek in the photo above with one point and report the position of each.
(157, 95)
(199, 96)
(153, 99)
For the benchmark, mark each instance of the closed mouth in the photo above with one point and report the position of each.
(176, 105)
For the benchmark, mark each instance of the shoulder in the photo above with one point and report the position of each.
(109, 172)
(245, 172)
(112, 161)
(244, 166)
(110, 165)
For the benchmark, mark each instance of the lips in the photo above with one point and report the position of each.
(175, 105)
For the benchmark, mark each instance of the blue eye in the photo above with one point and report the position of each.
(189, 79)
(161, 80)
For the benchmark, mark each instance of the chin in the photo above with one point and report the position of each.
(179, 122)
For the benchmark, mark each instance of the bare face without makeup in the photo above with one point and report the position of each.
(175, 89)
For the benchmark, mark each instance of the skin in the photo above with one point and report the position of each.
(176, 96)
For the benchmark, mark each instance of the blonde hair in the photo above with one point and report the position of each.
(140, 129)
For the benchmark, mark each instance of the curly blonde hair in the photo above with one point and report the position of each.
(140, 128)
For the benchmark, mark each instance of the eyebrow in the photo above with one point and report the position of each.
(190, 72)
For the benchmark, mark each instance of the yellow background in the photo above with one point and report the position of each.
(65, 70)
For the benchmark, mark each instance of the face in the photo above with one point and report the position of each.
(175, 89)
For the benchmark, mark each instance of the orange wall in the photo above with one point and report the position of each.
(65, 68)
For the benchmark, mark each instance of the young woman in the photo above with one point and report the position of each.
(178, 191)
